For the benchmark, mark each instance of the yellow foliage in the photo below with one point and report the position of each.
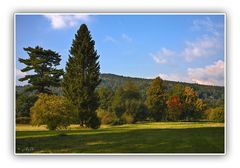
(54, 111)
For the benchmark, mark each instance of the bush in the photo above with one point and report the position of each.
(215, 114)
(118, 121)
(106, 117)
(23, 120)
(127, 118)
(54, 111)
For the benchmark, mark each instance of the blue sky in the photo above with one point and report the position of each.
(187, 48)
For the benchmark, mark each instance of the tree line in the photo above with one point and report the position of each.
(85, 103)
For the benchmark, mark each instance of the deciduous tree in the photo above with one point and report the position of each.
(175, 108)
(54, 111)
(156, 99)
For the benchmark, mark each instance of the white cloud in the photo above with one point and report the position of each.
(126, 37)
(203, 47)
(209, 44)
(162, 56)
(63, 21)
(110, 39)
(20, 74)
(209, 75)
(159, 60)
(207, 25)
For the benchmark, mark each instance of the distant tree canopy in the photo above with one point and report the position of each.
(82, 77)
(42, 63)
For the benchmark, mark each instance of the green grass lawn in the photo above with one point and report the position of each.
(157, 137)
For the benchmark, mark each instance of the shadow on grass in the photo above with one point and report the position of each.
(191, 140)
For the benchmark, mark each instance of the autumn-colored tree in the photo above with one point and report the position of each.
(200, 107)
(215, 114)
(175, 108)
(193, 106)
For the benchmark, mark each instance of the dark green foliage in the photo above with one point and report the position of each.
(136, 109)
(128, 105)
(94, 122)
(43, 65)
(131, 91)
(105, 98)
(23, 104)
(116, 81)
(82, 77)
(118, 102)
(156, 100)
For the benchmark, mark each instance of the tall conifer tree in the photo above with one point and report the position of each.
(82, 77)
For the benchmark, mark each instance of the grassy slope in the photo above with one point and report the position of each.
(165, 137)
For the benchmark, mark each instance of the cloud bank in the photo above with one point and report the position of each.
(209, 75)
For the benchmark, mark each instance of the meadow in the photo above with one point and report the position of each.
(154, 137)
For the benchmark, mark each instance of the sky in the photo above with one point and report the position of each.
(186, 47)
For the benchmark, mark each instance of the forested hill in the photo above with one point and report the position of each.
(213, 94)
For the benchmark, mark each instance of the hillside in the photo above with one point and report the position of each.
(213, 95)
